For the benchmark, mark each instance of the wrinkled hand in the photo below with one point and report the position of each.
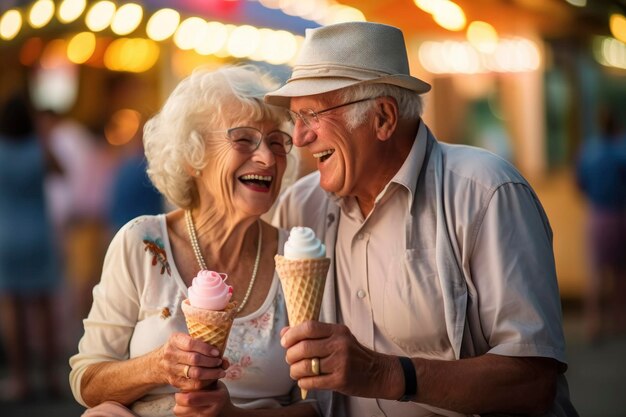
(180, 350)
(346, 366)
(209, 402)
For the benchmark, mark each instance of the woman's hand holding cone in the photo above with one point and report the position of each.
(181, 350)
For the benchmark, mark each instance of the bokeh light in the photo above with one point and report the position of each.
(10, 24)
(451, 57)
(54, 54)
(617, 24)
(100, 15)
(133, 55)
(428, 6)
(338, 13)
(482, 36)
(30, 51)
(122, 127)
(215, 38)
(41, 13)
(190, 33)
(55, 88)
(243, 41)
(449, 15)
(127, 18)
(81, 47)
(270, 4)
(162, 24)
(609, 52)
(70, 10)
(275, 47)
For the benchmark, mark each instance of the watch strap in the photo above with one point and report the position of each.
(410, 379)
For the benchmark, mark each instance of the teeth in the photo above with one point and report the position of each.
(256, 177)
(323, 153)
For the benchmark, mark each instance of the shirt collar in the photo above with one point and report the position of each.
(408, 173)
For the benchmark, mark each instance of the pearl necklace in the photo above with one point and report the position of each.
(193, 238)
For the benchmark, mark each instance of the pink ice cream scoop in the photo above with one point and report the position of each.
(209, 291)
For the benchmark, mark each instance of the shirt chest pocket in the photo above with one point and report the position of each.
(413, 315)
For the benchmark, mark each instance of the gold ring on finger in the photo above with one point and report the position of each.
(186, 371)
(315, 366)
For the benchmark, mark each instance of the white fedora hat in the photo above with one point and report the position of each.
(345, 54)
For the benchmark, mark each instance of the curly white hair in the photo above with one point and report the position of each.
(175, 138)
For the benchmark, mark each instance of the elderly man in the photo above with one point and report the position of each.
(442, 292)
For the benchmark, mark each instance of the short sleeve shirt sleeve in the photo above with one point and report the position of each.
(512, 268)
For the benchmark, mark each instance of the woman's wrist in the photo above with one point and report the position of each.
(155, 367)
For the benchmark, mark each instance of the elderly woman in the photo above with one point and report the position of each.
(219, 153)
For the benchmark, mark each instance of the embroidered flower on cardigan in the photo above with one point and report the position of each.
(155, 246)
(166, 313)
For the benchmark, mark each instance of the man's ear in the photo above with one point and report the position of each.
(386, 117)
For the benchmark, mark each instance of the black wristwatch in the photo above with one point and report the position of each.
(410, 379)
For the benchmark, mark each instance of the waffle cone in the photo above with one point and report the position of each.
(303, 283)
(212, 327)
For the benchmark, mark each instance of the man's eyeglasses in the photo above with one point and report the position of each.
(310, 117)
(248, 140)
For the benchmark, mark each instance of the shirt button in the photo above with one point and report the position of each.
(360, 293)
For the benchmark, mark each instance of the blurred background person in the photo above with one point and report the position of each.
(601, 175)
(29, 273)
(69, 141)
(132, 192)
(80, 201)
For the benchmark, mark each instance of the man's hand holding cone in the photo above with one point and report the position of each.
(302, 272)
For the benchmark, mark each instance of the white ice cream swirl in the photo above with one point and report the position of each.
(303, 244)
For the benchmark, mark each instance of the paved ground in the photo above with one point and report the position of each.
(597, 377)
(597, 373)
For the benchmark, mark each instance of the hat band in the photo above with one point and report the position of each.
(336, 71)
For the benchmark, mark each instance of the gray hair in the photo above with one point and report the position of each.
(204, 102)
(410, 104)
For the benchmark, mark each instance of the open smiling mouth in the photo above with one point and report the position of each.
(324, 155)
(257, 181)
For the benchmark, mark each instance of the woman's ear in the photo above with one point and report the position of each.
(192, 172)
(386, 117)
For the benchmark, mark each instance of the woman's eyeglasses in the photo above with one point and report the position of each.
(310, 117)
(248, 140)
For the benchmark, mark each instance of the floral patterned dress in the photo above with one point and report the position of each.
(137, 306)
